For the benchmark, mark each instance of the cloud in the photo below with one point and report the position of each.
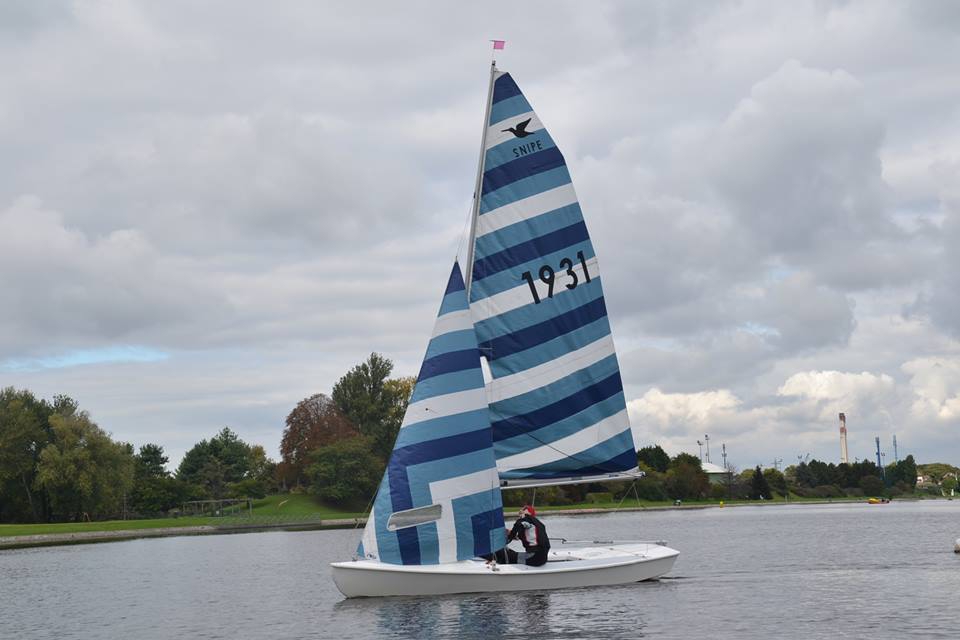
(936, 384)
(772, 191)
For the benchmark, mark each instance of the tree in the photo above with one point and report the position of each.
(949, 484)
(775, 481)
(654, 457)
(372, 402)
(346, 472)
(224, 456)
(86, 473)
(154, 491)
(315, 422)
(685, 478)
(24, 432)
(872, 486)
(758, 486)
(217, 466)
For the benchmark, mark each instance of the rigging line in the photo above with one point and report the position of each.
(625, 494)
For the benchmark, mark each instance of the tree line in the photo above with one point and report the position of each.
(56, 464)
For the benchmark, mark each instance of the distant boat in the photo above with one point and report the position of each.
(554, 413)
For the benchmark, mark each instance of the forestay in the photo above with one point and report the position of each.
(439, 500)
(556, 399)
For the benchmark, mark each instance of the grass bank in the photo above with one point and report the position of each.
(302, 511)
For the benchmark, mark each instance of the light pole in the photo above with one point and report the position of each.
(700, 444)
(706, 440)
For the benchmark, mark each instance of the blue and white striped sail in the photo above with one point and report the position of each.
(556, 400)
(439, 500)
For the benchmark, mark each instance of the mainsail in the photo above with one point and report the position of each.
(557, 406)
(439, 500)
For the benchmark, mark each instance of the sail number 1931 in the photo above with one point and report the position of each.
(548, 276)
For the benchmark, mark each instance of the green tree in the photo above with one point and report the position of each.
(949, 484)
(775, 481)
(85, 472)
(872, 486)
(154, 491)
(346, 472)
(315, 422)
(654, 457)
(24, 432)
(758, 486)
(372, 403)
(685, 479)
(222, 459)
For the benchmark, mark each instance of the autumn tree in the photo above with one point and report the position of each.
(315, 422)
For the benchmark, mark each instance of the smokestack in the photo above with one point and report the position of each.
(843, 440)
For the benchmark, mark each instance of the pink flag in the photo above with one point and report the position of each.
(498, 44)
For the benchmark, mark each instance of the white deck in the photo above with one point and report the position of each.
(566, 568)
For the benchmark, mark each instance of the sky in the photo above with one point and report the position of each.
(210, 211)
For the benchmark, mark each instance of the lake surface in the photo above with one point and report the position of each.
(804, 571)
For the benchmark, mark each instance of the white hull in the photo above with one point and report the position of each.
(582, 567)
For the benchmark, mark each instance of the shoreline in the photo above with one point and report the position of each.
(91, 537)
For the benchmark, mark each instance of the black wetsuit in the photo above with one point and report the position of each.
(533, 535)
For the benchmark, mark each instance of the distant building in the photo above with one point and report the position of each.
(715, 473)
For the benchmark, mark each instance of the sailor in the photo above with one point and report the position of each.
(533, 536)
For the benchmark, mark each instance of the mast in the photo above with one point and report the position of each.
(478, 185)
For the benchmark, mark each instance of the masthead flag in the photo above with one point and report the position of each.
(498, 44)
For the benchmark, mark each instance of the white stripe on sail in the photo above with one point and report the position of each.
(526, 208)
(569, 446)
(449, 404)
(444, 491)
(499, 132)
(520, 295)
(369, 539)
(453, 321)
(549, 372)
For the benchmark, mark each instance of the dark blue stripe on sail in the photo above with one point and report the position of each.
(482, 524)
(438, 449)
(524, 339)
(456, 281)
(409, 543)
(525, 251)
(563, 408)
(621, 462)
(448, 363)
(504, 88)
(522, 168)
(403, 457)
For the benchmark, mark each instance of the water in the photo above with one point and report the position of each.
(825, 571)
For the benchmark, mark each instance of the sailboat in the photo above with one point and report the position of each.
(553, 412)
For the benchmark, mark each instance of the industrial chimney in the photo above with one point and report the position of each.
(843, 440)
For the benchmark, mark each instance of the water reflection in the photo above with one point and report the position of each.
(498, 615)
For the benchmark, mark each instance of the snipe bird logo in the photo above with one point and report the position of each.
(520, 130)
